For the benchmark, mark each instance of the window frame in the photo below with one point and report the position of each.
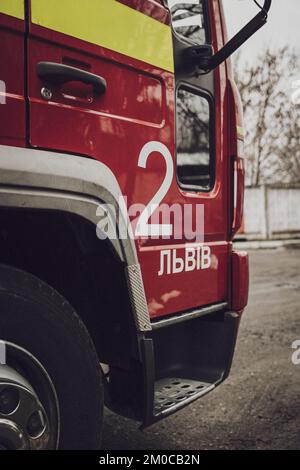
(212, 134)
(207, 26)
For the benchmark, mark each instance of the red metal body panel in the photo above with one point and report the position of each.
(234, 120)
(240, 280)
(12, 73)
(137, 108)
(187, 290)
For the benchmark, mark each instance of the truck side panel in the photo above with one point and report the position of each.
(137, 108)
(12, 73)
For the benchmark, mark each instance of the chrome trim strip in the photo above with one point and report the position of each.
(179, 318)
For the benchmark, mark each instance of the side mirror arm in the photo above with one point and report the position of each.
(202, 57)
(242, 36)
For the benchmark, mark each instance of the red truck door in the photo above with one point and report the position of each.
(12, 70)
(193, 272)
(129, 125)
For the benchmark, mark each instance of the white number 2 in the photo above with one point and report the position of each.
(143, 229)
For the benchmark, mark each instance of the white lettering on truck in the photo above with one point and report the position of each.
(194, 259)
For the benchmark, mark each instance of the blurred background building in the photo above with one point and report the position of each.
(268, 77)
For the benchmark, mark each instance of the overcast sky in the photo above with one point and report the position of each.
(283, 25)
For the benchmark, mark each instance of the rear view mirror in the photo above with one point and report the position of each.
(188, 28)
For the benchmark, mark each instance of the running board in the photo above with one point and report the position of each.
(179, 363)
(169, 394)
(186, 360)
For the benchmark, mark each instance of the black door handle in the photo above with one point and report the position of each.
(59, 74)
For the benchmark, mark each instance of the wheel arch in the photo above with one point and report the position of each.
(48, 207)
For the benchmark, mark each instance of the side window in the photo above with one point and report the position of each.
(194, 141)
(189, 20)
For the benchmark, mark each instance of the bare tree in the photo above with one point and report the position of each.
(271, 118)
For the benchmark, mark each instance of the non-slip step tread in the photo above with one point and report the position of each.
(170, 392)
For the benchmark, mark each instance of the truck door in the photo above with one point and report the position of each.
(126, 119)
(12, 73)
(194, 272)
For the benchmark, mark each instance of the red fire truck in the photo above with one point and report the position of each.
(108, 105)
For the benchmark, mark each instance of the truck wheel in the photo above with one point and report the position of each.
(51, 392)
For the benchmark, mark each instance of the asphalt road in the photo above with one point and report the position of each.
(258, 407)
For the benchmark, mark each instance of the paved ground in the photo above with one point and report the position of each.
(258, 407)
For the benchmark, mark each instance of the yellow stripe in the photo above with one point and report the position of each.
(109, 24)
(13, 8)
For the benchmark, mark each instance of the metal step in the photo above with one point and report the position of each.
(172, 392)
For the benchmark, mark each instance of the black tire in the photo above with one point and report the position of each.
(37, 318)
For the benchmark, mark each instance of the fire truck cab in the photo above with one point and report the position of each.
(121, 189)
